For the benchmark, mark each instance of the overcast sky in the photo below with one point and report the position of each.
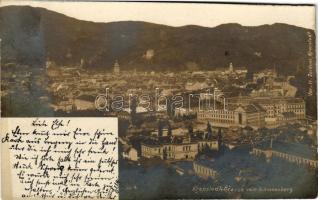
(179, 14)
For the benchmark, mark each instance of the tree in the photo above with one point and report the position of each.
(160, 127)
(190, 128)
(169, 129)
(170, 107)
(133, 111)
(209, 130)
(220, 138)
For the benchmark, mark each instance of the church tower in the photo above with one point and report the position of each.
(231, 68)
(116, 68)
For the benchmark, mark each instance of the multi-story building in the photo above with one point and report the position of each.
(204, 169)
(251, 115)
(278, 110)
(176, 147)
(296, 153)
(170, 149)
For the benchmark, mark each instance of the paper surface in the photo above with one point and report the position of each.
(52, 158)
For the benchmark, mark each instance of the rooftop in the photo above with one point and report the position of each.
(295, 149)
(164, 140)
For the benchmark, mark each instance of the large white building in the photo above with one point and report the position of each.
(279, 110)
(251, 115)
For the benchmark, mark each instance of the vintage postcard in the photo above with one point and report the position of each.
(148, 100)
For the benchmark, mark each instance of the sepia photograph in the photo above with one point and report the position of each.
(158, 100)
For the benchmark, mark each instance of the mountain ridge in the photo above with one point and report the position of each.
(33, 35)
